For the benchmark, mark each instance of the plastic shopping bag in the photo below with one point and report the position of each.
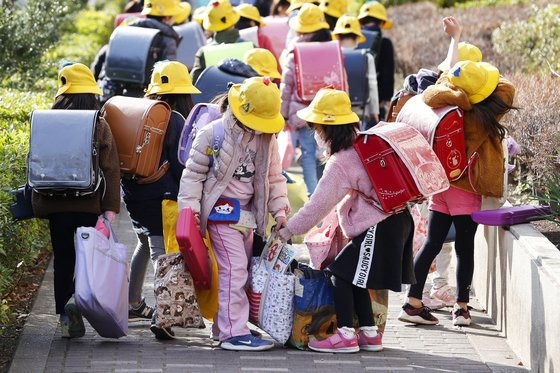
(326, 242)
(101, 281)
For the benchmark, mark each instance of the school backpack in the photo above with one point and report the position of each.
(397, 103)
(272, 35)
(138, 126)
(444, 131)
(401, 166)
(250, 34)
(318, 65)
(192, 39)
(356, 66)
(214, 54)
(372, 42)
(131, 55)
(63, 155)
(214, 81)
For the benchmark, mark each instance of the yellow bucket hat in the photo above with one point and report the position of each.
(376, 10)
(186, 12)
(348, 25)
(219, 15)
(263, 62)
(296, 4)
(171, 77)
(477, 79)
(309, 19)
(256, 104)
(466, 52)
(334, 8)
(330, 107)
(249, 11)
(162, 8)
(198, 14)
(76, 78)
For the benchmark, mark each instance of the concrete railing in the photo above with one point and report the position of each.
(517, 279)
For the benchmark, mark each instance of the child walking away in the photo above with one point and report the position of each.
(373, 18)
(249, 17)
(478, 89)
(333, 9)
(348, 32)
(379, 255)
(245, 174)
(310, 25)
(171, 83)
(263, 62)
(77, 90)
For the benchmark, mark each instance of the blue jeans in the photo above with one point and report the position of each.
(308, 157)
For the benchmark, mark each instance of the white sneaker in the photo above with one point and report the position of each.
(445, 294)
(461, 317)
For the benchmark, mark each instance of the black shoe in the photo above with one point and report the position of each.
(420, 315)
(76, 326)
(162, 334)
(140, 312)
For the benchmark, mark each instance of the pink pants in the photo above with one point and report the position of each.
(233, 251)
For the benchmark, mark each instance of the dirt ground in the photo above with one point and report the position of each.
(550, 230)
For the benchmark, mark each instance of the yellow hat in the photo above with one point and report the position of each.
(466, 52)
(77, 78)
(310, 18)
(198, 14)
(329, 107)
(348, 25)
(162, 8)
(249, 11)
(477, 79)
(376, 10)
(256, 104)
(296, 4)
(263, 62)
(171, 77)
(334, 8)
(219, 15)
(186, 12)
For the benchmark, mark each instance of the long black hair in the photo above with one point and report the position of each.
(321, 35)
(245, 22)
(181, 103)
(489, 112)
(338, 137)
(76, 101)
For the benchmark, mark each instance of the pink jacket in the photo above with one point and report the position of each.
(288, 89)
(201, 187)
(343, 180)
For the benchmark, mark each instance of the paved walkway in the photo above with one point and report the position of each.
(442, 348)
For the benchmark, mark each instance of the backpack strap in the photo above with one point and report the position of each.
(217, 142)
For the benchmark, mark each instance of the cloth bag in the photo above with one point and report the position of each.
(314, 312)
(207, 299)
(101, 281)
(176, 303)
(326, 242)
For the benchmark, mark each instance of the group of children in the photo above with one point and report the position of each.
(248, 169)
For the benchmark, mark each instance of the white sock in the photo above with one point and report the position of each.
(347, 332)
(369, 331)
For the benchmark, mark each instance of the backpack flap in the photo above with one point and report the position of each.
(62, 152)
(356, 66)
(213, 54)
(212, 82)
(200, 115)
(192, 39)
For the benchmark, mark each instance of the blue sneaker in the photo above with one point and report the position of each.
(246, 343)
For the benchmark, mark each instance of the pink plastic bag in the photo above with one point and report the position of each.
(326, 242)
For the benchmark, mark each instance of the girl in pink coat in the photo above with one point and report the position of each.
(232, 193)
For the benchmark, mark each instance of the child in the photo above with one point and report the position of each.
(246, 168)
(171, 83)
(380, 253)
(310, 25)
(279, 8)
(333, 10)
(477, 88)
(348, 32)
(373, 17)
(249, 17)
(77, 90)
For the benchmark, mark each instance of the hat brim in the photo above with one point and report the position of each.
(489, 87)
(309, 115)
(75, 89)
(298, 27)
(265, 125)
(270, 74)
(170, 12)
(219, 27)
(387, 25)
(173, 90)
(294, 6)
(361, 37)
(444, 66)
(330, 12)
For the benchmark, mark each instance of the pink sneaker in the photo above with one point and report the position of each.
(432, 303)
(444, 294)
(370, 343)
(336, 343)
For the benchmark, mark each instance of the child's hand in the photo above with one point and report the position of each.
(285, 234)
(197, 219)
(111, 216)
(280, 223)
(452, 27)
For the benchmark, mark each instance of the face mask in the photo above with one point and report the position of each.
(320, 142)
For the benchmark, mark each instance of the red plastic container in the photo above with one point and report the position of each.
(193, 249)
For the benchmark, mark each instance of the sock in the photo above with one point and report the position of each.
(347, 332)
(369, 331)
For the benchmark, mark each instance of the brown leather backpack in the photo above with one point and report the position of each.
(397, 102)
(138, 126)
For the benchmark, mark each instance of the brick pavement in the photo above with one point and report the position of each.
(442, 348)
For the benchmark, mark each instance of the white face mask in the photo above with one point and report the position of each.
(320, 142)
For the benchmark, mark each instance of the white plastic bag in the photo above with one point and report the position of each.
(101, 281)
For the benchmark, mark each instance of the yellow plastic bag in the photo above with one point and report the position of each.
(207, 299)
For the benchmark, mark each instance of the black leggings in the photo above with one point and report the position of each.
(438, 226)
(349, 299)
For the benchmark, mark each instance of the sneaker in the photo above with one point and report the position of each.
(444, 294)
(216, 337)
(461, 317)
(420, 315)
(76, 326)
(246, 343)
(433, 304)
(162, 334)
(336, 343)
(370, 343)
(140, 312)
(64, 321)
